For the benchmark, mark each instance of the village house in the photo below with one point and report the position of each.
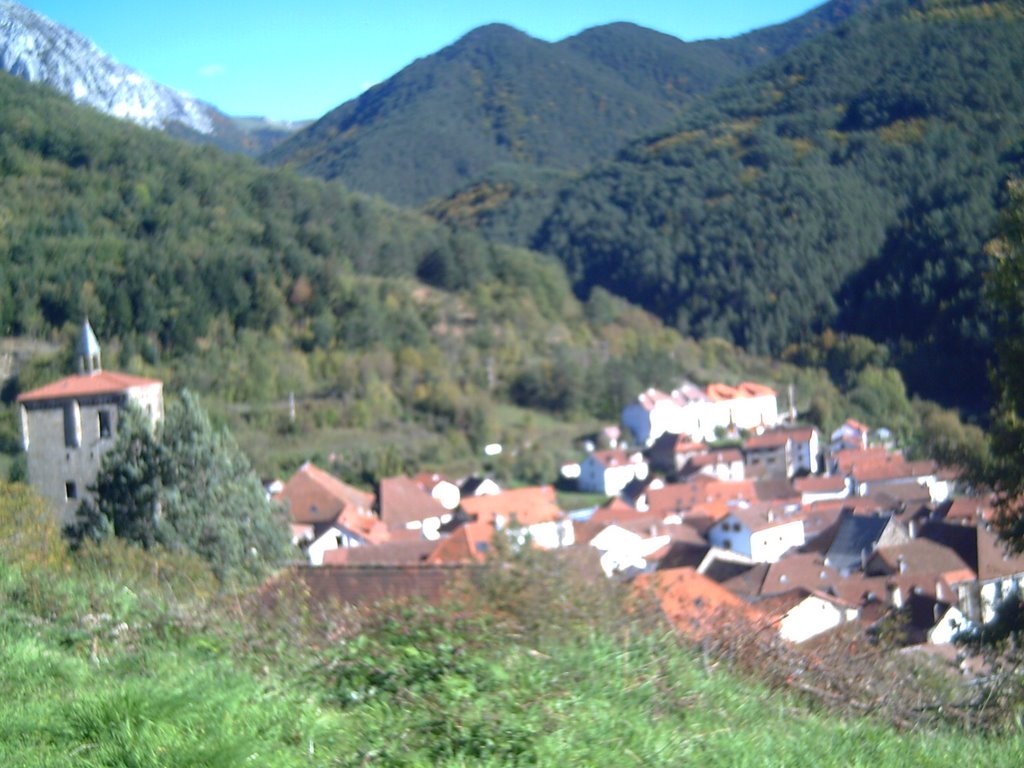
(1000, 573)
(725, 465)
(68, 425)
(441, 488)
(879, 475)
(783, 452)
(699, 496)
(532, 513)
(624, 550)
(328, 514)
(857, 536)
(701, 414)
(694, 604)
(747, 406)
(851, 435)
(671, 452)
(654, 413)
(762, 531)
(801, 614)
(609, 471)
(814, 488)
(404, 503)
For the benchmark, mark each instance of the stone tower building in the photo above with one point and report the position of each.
(68, 425)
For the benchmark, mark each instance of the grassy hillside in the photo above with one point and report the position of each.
(850, 183)
(499, 97)
(116, 656)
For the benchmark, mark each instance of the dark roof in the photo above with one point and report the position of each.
(723, 570)
(977, 546)
(856, 535)
(962, 539)
(915, 556)
(749, 582)
(683, 553)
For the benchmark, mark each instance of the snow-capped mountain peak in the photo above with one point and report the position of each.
(39, 50)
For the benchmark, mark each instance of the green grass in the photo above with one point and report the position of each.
(113, 666)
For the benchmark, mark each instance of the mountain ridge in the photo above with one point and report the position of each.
(850, 184)
(40, 50)
(498, 96)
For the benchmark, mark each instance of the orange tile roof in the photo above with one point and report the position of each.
(752, 389)
(681, 497)
(719, 391)
(684, 444)
(695, 604)
(848, 457)
(315, 496)
(469, 543)
(994, 561)
(528, 506)
(364, 524)
(86, 385)
(894, 469)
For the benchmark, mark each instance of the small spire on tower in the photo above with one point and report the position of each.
(88, 350)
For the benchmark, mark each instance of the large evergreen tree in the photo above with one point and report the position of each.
(188, 486)
(213, 500)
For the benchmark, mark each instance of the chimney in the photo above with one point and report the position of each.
(901, 563)
(912, 528)
(864, 559)
(895, 597)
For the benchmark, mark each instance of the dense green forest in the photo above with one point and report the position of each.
(850, 183)
(246, 284)
(499, 97)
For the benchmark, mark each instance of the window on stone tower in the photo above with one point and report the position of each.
(72, 425)
(106, 428)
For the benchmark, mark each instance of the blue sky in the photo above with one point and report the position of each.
(295, 60)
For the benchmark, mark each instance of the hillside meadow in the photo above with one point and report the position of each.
(117, 656)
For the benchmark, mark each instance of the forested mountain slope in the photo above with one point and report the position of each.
(499, 96)
(852, 183)
(152, 237)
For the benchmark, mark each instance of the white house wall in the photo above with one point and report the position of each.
(810, 618)
(770, 544)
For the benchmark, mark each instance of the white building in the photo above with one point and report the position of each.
(689, 410)
(610, 471)
(762, 532)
